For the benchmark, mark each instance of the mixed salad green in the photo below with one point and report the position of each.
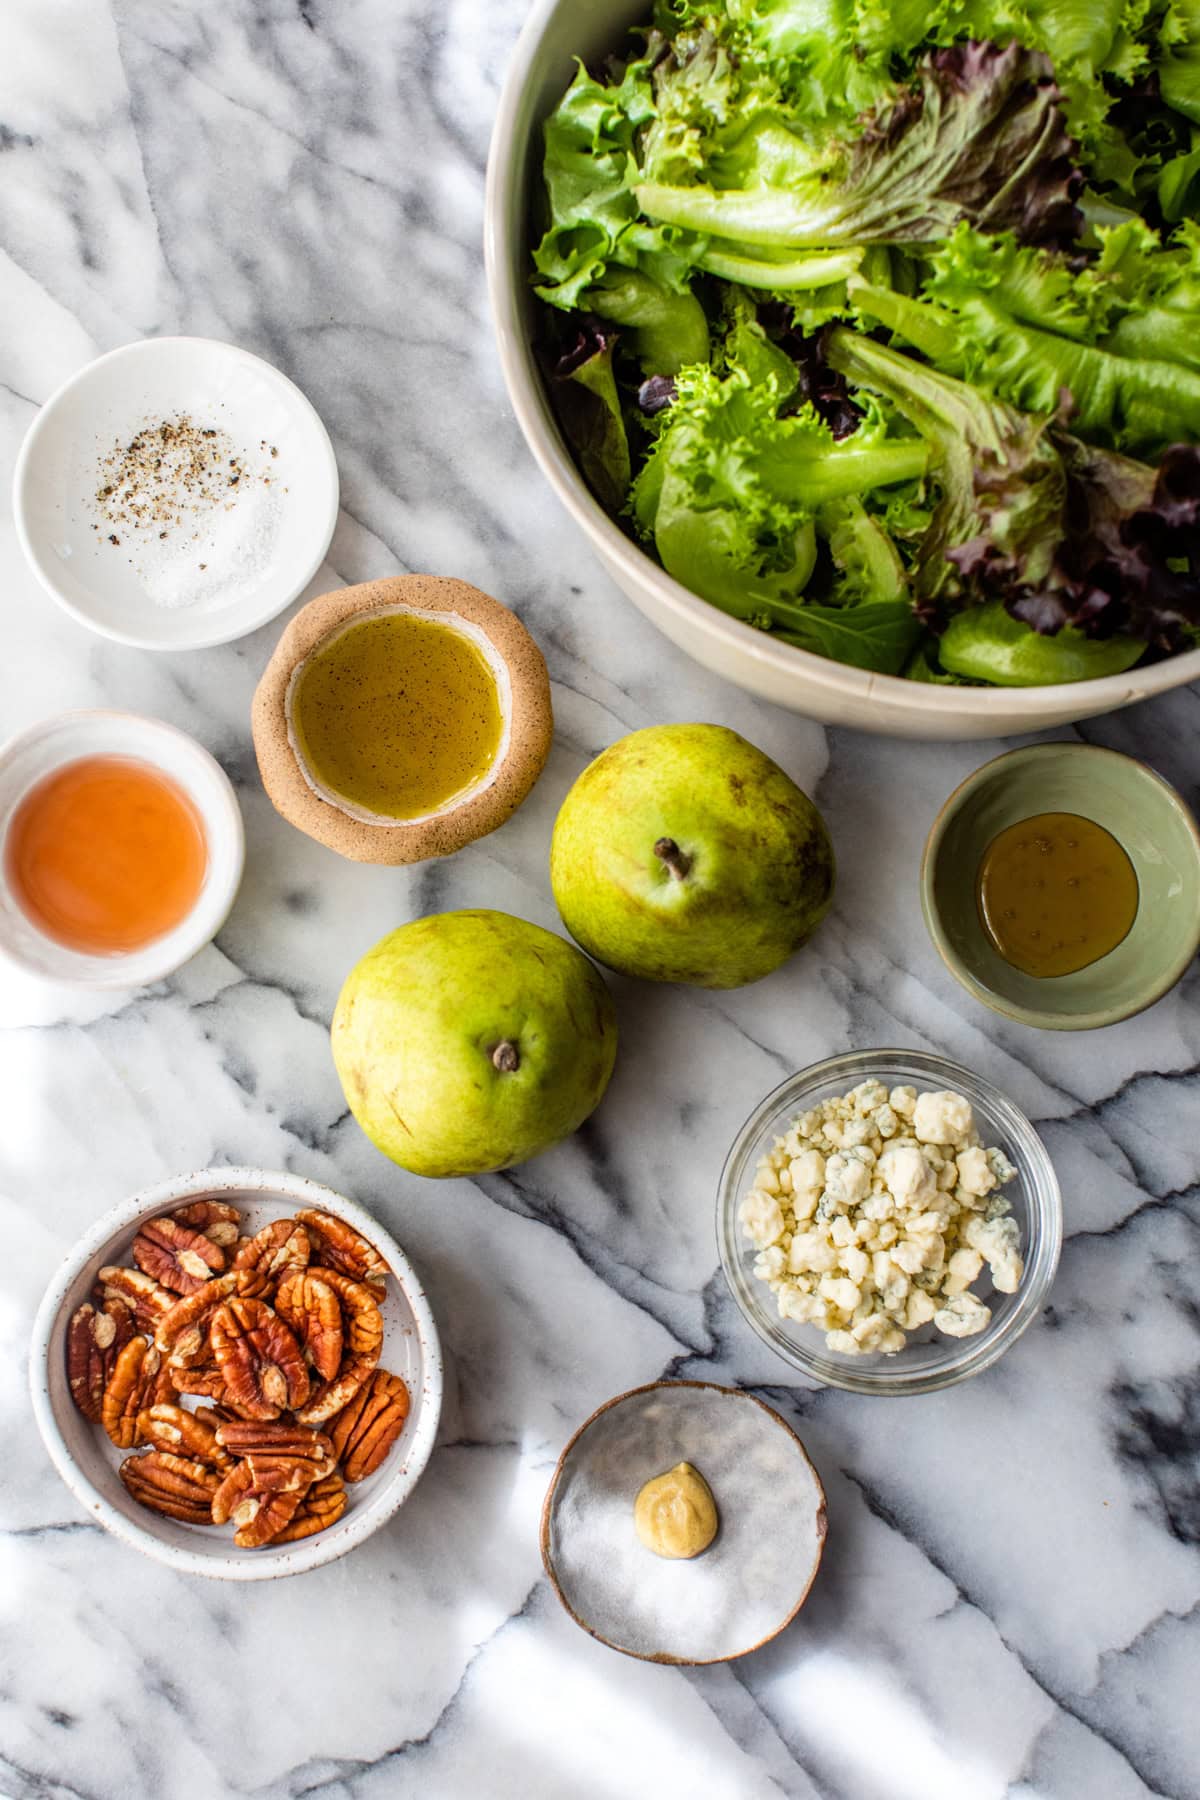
(879, 322)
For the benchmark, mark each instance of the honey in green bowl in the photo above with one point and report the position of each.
(1132, 817)
(1056, 892)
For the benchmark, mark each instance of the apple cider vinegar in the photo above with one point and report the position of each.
(106, 854)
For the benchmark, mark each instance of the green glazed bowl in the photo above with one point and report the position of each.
(1141, 811)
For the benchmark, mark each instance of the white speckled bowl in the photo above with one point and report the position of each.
(556, 32)
(88, 1462)
(754, 1577)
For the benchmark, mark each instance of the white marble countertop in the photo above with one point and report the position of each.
(1010, 1599)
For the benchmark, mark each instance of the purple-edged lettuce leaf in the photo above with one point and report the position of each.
(583, 389)
(978, 135)
(1061, 533)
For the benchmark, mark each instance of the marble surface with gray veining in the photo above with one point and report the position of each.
(1010, 1599)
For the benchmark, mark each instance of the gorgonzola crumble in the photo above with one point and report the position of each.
(876, 1212)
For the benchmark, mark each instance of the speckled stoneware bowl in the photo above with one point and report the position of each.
(556, 37)
(1143, 813)
(88, 1462)
(523, 690)
(754, 1577)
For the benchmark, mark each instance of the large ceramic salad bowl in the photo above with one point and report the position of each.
(557, 33)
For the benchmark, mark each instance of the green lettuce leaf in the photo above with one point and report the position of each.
(1059, 532)
(738, 490)
(985, 643)
(1178, 62)
(1115, 347)
(979, 136)
(666, 329)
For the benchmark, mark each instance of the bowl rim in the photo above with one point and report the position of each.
(688, 1662)
(992, 1343)
(228, 821)
(240, 620)
(502, 205)
(309, 1553)
(1045, 1018)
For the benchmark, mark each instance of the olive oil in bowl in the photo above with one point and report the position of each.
(396, 716)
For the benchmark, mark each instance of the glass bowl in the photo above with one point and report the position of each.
(929, 1360)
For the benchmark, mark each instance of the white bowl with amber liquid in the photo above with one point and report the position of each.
(50, 746)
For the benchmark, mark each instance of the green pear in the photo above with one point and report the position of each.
(684, 854)
(472, 1040)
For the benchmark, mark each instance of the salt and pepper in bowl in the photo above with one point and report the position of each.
(176, 493)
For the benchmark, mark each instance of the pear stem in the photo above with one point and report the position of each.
(669, 853)
(506, 1057)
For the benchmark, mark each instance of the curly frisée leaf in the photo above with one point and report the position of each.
(737, 490)
(978, 135)
(1116, 343)
(1059, 532)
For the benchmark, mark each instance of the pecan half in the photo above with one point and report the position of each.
(184, 1434)
(323, 1505)
(182, 1332)
(170, 1484)
(329, 1399)
(216, 1219)
(307, 1302)
(362, 1344)
(95, 1338)
(138, 1382)
(148, 1298)
(260, 1261)
(213, 1415)
(260, 1360)
(370, 1425)
(181, 1259)
(337, 1245)
(204, 1380)
(281, 1455)
(241, 1437)
(362, 1318)
(259, 1513)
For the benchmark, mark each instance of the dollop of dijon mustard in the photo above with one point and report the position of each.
(675, 1514)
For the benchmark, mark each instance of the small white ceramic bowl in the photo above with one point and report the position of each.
(108, 402)
(88, 1462)
(26, 759)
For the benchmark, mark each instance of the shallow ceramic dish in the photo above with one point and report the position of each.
(555, 34)
(88, 1462)
(754, 1577)
(53, 742)
(108, 402)
(1144, 814)
(928, 1361)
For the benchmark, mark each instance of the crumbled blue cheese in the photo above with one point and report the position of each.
(874, 1214)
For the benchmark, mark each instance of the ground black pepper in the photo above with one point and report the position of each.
(169, 470)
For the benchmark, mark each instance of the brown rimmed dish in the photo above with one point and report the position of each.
(738, 1594)
(522, 689)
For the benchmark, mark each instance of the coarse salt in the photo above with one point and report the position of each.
(197, 517)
